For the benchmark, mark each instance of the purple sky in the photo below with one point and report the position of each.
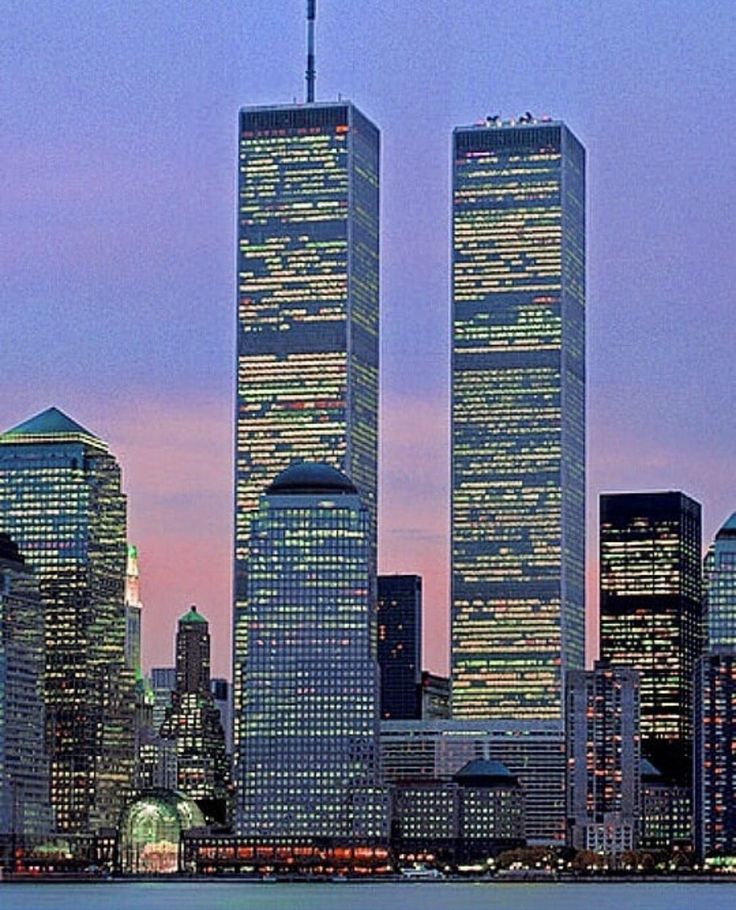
(117, 249)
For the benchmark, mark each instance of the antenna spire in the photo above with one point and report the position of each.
(311, 72)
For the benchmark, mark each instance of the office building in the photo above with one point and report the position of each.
(720, 588)
(666, 811)
(400, 645)
(651, 613)
(603, 759)
(192, 720)
(473, 817)
(307, 302)
(306, 759)
(518, 417)
(24, 768)
(62, 503)
(714, 789)
(532, 751)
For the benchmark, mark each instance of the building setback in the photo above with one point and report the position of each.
(400, 645)
(306, 763)
(518, 417)
(61, 501)
(24, 768)
(651, 613)
(307, 310)
(193, 720)
(603, 759)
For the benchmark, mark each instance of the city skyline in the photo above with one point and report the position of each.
(157, 407)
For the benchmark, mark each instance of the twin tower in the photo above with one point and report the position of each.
(308, 377)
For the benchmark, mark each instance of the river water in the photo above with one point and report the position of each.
(208, 895)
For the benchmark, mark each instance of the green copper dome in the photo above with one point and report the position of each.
(51, 422)
(193, 616)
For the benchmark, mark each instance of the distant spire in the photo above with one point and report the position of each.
(311, 71)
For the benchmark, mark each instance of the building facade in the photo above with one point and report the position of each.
(133, 610)
(475, 816)
(518, 417)
(434, 696)
(400, 645)
(651, 613)
(666, 811)
(532, 751)
(24, 767)
(714, 790)
(61, 501)
(192, 720)
(306, 759)
(307, 324)
(720, 588)
(603, 759)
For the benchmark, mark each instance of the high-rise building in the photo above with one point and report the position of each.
(24, 768)
(714, 790)
(603, 759)
(61, 501)
(133, 609)
(720, 588)
(193, 721)
(714, 765)
(651, 612)
(307, 304)
(306, 755)
(400, 645)
(518, 417)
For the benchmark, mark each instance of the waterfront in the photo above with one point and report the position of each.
(204, 895)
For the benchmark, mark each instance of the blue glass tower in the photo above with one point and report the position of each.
(306, 763)
(518, 417)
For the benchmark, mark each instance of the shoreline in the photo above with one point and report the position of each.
(176, 878)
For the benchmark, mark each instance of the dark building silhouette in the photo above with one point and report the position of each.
(400, 645)
(24, 767)
(651, 613)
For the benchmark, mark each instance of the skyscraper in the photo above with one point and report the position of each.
(307, 301)
(603, 758)
(651, 612)
(400, 645)
(720, 588)
(306, 754)
(193, 721)
(61, 501)
(714, 765)
(518, 417)
(24, 768)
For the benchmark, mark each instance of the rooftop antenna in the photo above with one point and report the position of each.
(311, 72)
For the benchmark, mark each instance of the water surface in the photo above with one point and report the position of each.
(208, 895)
